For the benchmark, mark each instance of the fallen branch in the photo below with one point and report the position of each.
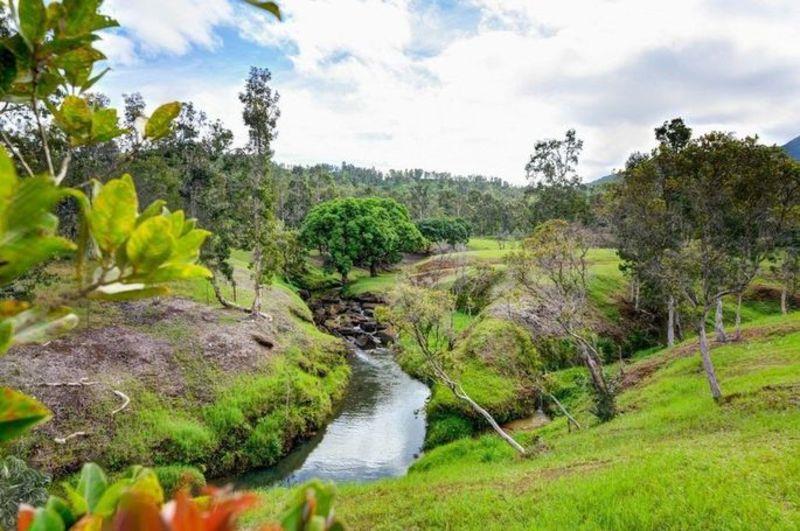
(63, 440)
(125, 401)
(83, 382)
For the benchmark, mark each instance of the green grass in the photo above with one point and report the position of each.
(672, 460)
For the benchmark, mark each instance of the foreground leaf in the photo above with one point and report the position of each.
(19, 413)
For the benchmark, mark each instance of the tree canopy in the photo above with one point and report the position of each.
(370, 232)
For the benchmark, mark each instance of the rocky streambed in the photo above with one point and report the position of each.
(353, 319)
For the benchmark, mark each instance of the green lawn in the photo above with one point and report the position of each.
(672, 460)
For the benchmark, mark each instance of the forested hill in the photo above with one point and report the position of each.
(793, 148)
(488, 203)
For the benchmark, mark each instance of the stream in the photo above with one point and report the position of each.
(378, 428)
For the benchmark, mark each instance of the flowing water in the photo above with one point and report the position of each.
(377, 432)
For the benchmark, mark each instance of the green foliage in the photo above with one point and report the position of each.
(446, 428)
(448, 230)
(473, 289)
(312, 509)
(370, 232)
(174, 478)
(18, 413)
(19, 484)
(50, 54)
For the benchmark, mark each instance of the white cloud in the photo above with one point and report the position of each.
(172, 26)
(408, 83)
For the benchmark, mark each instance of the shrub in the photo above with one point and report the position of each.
(443, 429)
(19, 484)
(174, 478)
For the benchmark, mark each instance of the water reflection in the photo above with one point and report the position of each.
(379, 429)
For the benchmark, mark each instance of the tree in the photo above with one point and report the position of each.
(551, 269)
(370, 232)
(260, 113)
(555, 185)
(452, 231)
(735, 197)
(645, 218)
(425, 315)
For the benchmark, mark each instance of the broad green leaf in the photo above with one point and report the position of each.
(8, 182)
(170, 272)
(32, 20)
(151, 244)
(107, 503)
(187, 248)
(154, 209)
(146, 486)
(177, 219)
(77, 64)
(76, 500)
(6, 335)
(94, 79)
(92, 484)
(46, 326)
(75, 118)
(160, 122)
(113, 213)
(18, 256)
(19, 413)
(82, 18)
(47, 520)
(271, 7)
(60, 507)
(105, 125)
(31, 205)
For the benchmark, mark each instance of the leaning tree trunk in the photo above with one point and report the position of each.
(678, 325)
(719, 325)
(595, 370)
(737, 335)
(671, 321)
(705, 355)
(461, 394)
(222, 300)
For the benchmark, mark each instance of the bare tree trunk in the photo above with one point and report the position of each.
(705, 355)
(373, 269)
(256, 307)
(784, 300)
(636, 292)
(671, 321)
(678, 325)
(459, 392)
(719, 326)
(737, 335)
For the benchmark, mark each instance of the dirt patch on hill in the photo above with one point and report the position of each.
(156, 345)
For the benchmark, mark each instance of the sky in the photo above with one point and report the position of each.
(468, 86)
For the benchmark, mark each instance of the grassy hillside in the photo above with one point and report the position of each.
(209, 388)
(672, 459)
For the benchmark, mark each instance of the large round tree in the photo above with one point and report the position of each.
(366, 231)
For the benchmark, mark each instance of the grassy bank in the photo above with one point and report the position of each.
(672, 459)
(209, 388)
